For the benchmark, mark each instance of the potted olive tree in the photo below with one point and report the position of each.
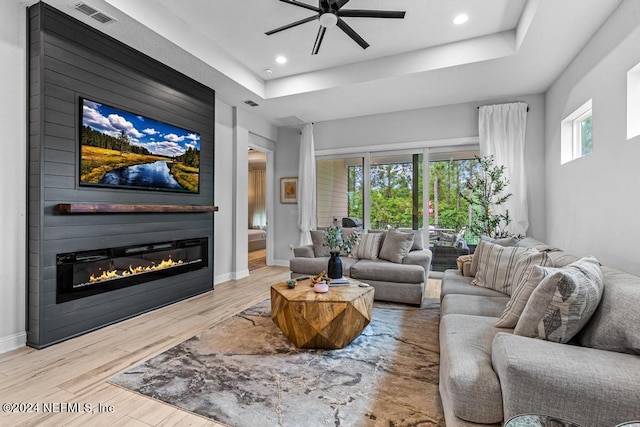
(486, 189)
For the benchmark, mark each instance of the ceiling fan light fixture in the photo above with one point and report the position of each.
(328, 19)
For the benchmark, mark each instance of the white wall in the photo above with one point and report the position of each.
(423, 125)
(285, 223)
(592, 202)
(233, 131)
(13, 122)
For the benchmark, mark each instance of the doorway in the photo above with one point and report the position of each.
(257, 209)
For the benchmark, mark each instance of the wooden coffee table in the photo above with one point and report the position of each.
(314, 320)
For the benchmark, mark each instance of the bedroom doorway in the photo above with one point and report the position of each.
(257, 209)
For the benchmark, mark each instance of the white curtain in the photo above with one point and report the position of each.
(257, 199)
(502, 134)
(307, 186)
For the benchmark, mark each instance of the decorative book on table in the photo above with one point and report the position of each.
(339, 282)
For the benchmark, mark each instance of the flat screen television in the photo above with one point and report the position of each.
(119, 149)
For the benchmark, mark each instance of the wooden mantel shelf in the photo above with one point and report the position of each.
(100, 208)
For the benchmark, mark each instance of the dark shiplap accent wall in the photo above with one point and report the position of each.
(69, 60)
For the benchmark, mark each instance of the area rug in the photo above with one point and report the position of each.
(244, 372)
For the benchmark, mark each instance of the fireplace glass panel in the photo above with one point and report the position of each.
(80, 274)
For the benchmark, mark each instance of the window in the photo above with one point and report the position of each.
(338, 189)
(396, 191)
(450, 212)
(577, 134)
(633, 102)
(384, 189)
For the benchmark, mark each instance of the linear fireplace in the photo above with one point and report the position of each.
(85, 273)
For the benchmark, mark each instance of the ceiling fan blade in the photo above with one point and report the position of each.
(319, 37)
(297, 3)
(353, 13)
(293, 24)
(340, 3)
(325, 5)
(351, 33)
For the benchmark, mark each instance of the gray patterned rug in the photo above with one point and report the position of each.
(243, 372)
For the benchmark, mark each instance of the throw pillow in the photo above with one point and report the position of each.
(418, 238)
(319, 249)
(368, 246)
(497, 266)
(462, 259)
(563, 302)
(396, 246)
(507, 242)
(528, 276)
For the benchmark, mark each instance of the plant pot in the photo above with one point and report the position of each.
(334, 267)
(321, 288)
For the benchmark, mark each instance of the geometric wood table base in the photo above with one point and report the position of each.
(315, 320)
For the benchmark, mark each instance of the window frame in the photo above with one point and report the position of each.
(571, 133)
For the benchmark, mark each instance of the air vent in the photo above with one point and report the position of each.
(250, 103)
(86, 9)
(93, 13)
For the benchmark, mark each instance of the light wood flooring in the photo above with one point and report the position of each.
(76, 371)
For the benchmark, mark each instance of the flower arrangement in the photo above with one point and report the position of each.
(334, 241)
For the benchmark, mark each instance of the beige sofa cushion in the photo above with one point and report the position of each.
(465, 362)
(387, 271)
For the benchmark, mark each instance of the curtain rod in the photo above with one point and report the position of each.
(489, 105)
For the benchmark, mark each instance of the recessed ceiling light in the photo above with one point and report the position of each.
(268, 71)
(460, 19)
(281, 60)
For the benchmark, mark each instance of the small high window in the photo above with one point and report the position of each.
(577, 134)
(633, 102)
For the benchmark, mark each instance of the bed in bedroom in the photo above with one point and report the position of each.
(257, 239)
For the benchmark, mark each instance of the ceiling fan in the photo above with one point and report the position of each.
(329, 13)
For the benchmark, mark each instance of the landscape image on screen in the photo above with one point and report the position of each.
(122, 149)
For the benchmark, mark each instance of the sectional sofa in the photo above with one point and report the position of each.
(489, 374)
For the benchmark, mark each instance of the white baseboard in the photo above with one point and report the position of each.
(281, 262)
(241, 274)
(12, 342)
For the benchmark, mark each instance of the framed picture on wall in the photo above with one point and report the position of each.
(289, 190)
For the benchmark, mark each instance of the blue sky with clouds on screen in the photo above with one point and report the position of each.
(159, 138)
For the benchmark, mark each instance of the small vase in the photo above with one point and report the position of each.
(334, 267)
(321, 288)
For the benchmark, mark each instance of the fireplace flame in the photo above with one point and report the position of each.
(115, 274)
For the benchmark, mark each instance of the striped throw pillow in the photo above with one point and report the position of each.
(368, 246)
(526, 279)
(497, 266)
